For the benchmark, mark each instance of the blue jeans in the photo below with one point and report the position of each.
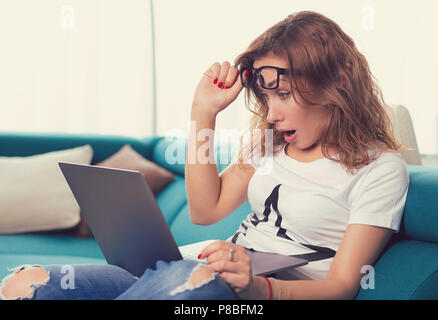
(107, 282)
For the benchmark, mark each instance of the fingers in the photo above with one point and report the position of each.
(213, 72)
(218, 245)
(237, 86)
(233, 74)
(218, 256)
(226, 266)
(225, 67)
(222, 254)
(223, 75)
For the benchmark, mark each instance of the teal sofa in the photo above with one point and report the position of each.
(407, 269)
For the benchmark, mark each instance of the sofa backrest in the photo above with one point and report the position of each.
(420, 219)
(22, 144)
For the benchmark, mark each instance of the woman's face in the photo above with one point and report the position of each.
(287, 114)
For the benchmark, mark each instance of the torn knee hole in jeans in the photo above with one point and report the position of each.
(21, 285)
(200, 276)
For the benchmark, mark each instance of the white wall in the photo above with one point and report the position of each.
(75, 66)
(397, 37)
(85, 65)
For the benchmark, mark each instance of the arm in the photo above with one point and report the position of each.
(211, 197)
(360, 246)
(202, 179)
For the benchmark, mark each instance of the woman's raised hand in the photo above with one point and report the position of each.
(220, 85)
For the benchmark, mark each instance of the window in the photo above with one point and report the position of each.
(86, 65)
(396, 38)
(77, 66)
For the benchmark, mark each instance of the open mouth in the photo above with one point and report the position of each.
(290, 132)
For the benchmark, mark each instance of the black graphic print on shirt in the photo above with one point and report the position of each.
(272, 201)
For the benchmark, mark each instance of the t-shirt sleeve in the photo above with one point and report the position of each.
(381, 198)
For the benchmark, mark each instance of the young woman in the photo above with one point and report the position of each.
(334, 192)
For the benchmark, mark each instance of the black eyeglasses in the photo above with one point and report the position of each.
(262, 74)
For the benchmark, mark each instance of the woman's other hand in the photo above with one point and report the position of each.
(233, 265)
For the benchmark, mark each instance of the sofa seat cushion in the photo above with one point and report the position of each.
(9, 261)
(406, 270)
(49, 244)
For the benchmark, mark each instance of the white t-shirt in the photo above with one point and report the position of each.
(317, 201)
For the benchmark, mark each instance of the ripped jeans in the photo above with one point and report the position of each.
(174, 280)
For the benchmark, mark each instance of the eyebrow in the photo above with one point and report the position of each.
(272, 82)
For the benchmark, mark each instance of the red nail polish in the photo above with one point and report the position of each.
(215, 81)
(227, 87)
(220, 84)
(199, 256)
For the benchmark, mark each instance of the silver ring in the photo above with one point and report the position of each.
(231, 251)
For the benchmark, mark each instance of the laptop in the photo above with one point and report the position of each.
(129, 227)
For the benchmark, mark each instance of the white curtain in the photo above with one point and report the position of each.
(397, 37)
(86, 65)
(76, 66)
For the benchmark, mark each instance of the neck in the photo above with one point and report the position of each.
(312, 153)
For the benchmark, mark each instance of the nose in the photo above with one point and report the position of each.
(274, 113)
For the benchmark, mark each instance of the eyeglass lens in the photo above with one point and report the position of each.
(267, 76)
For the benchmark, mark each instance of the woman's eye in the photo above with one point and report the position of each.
(284, 95)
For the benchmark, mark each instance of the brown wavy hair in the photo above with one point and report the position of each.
(324, 59)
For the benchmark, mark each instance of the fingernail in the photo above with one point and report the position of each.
(199, 256)
(227, 87)
(215, 81)
(220, 84)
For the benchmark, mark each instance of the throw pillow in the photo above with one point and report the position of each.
(127, 158)
(34, 195)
